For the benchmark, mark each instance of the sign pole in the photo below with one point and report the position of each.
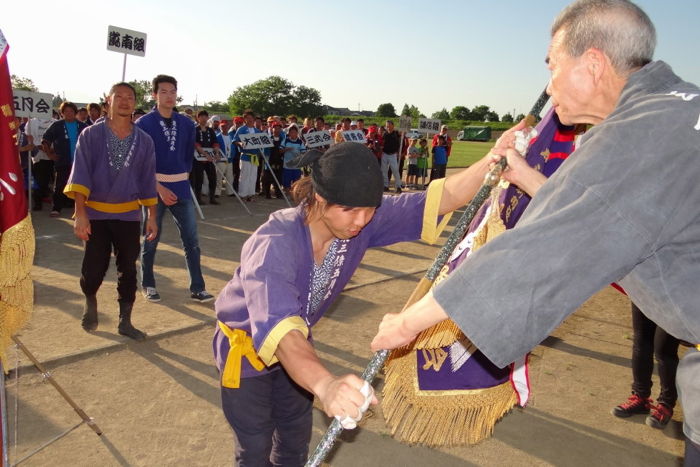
(274, 177)
(5, 447)
(29, 178)
(124, 69)
(398, 162)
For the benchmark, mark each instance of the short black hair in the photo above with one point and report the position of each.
(247, 112)
(119, 85)
(321, 118)
(65, 104)
(163, 79)
(202, 112)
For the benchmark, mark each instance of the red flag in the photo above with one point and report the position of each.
(13, 203)
(16, 231)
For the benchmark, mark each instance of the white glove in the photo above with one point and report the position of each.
(522, 140)
(350, 423)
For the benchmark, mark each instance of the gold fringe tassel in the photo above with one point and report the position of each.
(442, 334)
(450, 417)
(16, 287)
(446, 332)
(440, 418)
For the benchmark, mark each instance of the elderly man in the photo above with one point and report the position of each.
(614, 212)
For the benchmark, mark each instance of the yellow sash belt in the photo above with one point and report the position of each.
(241, 346)
(115, 208)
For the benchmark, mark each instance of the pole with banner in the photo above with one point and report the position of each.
(404, 127)
(30, 104)
(261, 141)
(126, 41)
(16, 232)
(212, 158)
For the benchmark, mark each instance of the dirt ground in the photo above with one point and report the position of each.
(158, 401)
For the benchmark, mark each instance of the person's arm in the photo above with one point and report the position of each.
(81, 224)
(166, 194)
(189, 145)
(151, 225)
(215, 145)
(47, 142)
(519, 172)
(573, 228)
(339, 395)
(399, 329)
(460, 188)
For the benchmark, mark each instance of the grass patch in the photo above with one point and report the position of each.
(465, 153)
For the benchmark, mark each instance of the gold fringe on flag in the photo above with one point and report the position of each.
(449, 417)
(16, 287)
(439, 418)
(446, 332)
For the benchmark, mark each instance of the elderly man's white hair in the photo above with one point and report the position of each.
(618, 28)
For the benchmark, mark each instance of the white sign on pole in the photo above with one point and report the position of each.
(213, 153)
(354, 136)
(32, 104)
(126, 41)
(256, 141)
(317, 139)
(429, 125)
(405, 123)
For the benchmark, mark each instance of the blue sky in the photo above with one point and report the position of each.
(355, 53)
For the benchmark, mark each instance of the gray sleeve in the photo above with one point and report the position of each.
(516, 289)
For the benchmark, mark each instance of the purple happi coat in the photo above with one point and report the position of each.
(113, 194)
(272, 283)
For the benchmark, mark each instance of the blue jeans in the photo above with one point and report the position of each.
(184, 215)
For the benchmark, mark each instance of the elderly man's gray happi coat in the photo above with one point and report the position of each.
(625, 207)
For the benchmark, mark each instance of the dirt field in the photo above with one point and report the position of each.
(158, 401)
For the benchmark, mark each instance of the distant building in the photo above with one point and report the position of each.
(344, 111)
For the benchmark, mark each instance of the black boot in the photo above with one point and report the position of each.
(125, 326)
(89, 322)
(212, 200)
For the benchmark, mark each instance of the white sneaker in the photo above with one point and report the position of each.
(151, 294)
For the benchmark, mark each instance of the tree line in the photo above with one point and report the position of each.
(278, 96)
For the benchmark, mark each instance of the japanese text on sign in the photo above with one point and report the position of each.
(354, 136)
(32, 104)
(429, 125)
(214, 154)
(316, 139)
(126, 41)
(256, 141)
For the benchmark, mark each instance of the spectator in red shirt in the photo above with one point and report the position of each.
(443, 132)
